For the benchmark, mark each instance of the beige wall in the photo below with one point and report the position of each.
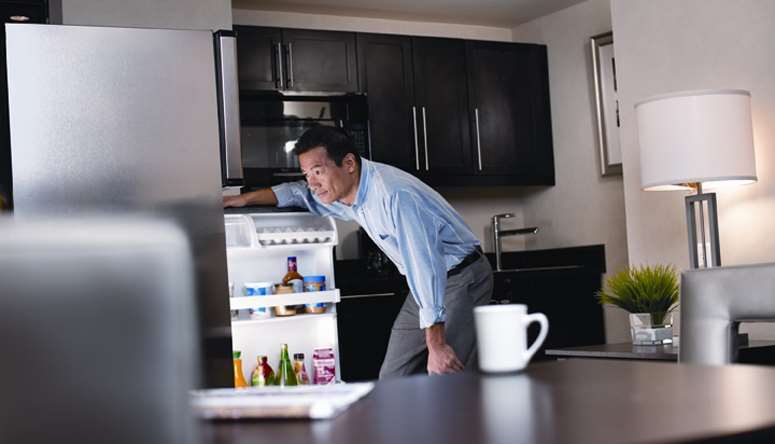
(663, 46)
(362, 24)
(172, 14)
(583, 208)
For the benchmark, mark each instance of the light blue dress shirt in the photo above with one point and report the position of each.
(415, 227)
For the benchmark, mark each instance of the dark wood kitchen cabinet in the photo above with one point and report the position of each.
(458, 112)
(560, 283)
(450, 111)
(385, 73)
(509, 113)
(295, 59)
(259, 57)
(441, 97)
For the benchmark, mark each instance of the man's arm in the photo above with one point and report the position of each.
(426, 274)
(264, 196)
(288, 194)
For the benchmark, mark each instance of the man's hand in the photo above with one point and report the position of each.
(264, 196)
(441, 357)
(234, 201)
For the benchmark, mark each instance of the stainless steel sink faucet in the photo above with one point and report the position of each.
(497, 234)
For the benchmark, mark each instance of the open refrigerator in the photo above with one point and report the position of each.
(257, 248)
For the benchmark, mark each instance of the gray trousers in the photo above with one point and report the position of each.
(407, 353)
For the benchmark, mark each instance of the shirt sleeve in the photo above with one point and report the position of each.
(298, 194)
(421, 252)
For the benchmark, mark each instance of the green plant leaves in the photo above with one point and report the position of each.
(643, 289)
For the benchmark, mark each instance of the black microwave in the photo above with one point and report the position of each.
(270, 124)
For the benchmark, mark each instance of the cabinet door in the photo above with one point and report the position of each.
(567, 298)
(258, 58)
(441, 96)
(509, 111)
(385, 72)
(320, 60)
(364, 325)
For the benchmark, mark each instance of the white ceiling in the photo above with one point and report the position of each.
(501, 13)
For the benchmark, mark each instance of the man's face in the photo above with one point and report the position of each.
(328, 181)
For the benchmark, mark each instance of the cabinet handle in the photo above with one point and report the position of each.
(425, 137)
(478, 142)
(290, 65)
(416, 145)
(279, 60)
(368, 136)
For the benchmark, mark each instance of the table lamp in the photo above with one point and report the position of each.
(697, 140)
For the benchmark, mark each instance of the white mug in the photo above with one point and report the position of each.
(501, 336)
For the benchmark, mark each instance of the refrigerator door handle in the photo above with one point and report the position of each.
(229, 112)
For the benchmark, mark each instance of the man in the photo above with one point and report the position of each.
(417, 229)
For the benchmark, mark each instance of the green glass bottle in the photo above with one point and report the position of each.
(285, 376)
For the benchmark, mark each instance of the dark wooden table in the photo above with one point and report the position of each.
(571, 401)
(755, 352)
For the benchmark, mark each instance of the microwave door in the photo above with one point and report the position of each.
(267, 150)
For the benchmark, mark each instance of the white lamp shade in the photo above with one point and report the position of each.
(696, 137)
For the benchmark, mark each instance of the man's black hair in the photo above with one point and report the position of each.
(336, 141)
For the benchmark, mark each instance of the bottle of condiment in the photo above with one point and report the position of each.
(299, 369)
(292, 277)
(285, 376)
(295, 281)
(239, 378)
(263, 374)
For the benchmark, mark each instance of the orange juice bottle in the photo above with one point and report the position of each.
(239, 378)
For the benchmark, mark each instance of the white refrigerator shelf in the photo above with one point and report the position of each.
(278, 230)
(276, 319)
(310, 297)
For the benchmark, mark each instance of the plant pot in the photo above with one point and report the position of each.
(644, 332)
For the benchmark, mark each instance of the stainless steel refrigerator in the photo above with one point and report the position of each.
(127, 120)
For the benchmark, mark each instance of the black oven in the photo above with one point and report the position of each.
(272, 122)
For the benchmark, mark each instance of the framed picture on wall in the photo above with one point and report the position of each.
(606, 103)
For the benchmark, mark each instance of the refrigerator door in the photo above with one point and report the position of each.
(228, 112)
(123, 119)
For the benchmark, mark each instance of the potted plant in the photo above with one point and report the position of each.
(649, 294)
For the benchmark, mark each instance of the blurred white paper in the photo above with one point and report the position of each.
(310, 401)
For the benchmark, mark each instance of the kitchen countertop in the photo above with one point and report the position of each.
(361, 275)
(572, 401)
(754, 352)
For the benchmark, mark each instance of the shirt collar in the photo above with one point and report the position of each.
(363, 184)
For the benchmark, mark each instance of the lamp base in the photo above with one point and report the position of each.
(694, 204)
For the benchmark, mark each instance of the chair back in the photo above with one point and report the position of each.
(97, 332)
(713, 303)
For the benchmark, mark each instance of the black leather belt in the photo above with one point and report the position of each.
(468, 260)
